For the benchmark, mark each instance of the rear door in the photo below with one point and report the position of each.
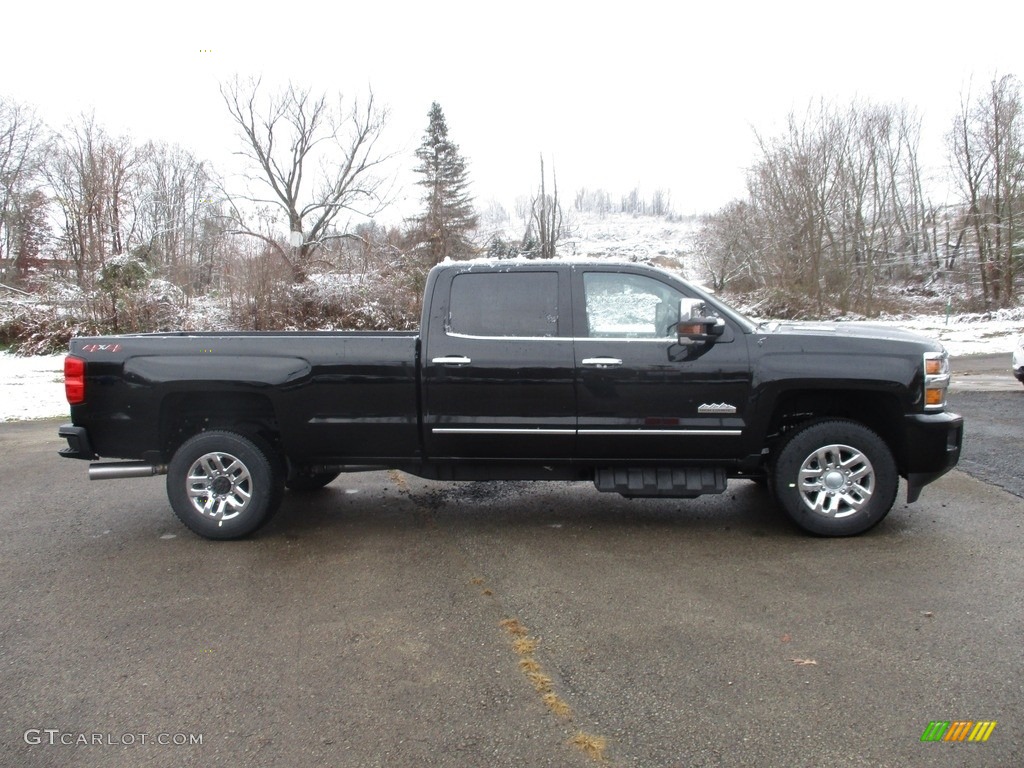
(498, 367)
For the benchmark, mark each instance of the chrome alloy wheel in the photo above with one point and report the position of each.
(219, 486)
(836, 481)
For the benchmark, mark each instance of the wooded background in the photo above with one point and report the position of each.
(102, 233)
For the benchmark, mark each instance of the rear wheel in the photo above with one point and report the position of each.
(835, 478)
(223, 485)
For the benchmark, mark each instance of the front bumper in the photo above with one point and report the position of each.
(933, 448)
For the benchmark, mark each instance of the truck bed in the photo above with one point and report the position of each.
(337, 395)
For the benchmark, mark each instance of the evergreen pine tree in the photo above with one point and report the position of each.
(442, 231)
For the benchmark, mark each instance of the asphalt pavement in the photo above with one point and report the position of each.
(390, 621)
(991, 401)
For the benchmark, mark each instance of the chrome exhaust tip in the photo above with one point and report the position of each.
(120, 470)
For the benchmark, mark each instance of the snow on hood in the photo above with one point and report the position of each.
(850, 330)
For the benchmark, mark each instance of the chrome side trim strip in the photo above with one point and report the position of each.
(522, 431)
(593, 432)
(454, 335)
(645, 432)
(593, 339)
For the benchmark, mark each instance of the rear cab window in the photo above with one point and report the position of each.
(503, 304)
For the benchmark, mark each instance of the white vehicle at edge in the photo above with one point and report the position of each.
(1018, 360)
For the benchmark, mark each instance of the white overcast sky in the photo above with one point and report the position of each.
(615, 95)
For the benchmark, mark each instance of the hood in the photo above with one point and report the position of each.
(846, 330)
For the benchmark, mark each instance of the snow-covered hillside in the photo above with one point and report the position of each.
(632, 238)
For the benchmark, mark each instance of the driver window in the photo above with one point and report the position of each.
(629, 306)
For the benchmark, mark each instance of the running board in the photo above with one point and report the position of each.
(678, 483)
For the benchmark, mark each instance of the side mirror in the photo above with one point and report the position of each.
(694, 324)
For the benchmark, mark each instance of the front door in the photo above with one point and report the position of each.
(642, 396)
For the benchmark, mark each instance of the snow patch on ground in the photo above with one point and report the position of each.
(31, 387)
(966, 334)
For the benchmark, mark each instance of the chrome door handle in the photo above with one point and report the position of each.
(602, 362)
(452, 360)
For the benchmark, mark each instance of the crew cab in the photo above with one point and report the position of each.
(620, 374)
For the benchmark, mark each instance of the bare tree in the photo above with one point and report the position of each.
(1003, 130)
(727, 248)
(882, 211)
(835, 205)
(94, 180)
(21, 152)
(176, 209)
(661, 203)
(546, 215)
(986, 146)
(795, 187)
(970, 165)
(594, 201)
(632, 202)
(309, 160)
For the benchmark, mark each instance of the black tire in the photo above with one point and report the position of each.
(223, 485)
(304, 481)
(835, 478)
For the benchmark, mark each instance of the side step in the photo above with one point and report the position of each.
(678, 482)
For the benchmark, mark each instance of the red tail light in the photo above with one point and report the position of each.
(74, 380)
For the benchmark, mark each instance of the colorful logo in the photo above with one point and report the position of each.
(958, 730)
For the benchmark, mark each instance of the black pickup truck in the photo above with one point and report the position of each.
(620, 374)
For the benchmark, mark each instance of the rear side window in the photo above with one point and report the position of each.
(504, 304)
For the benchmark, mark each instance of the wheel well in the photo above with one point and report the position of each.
(188, 414)
(878, 411)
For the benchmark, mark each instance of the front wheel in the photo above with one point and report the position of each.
(835, 478)
(223, 485)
